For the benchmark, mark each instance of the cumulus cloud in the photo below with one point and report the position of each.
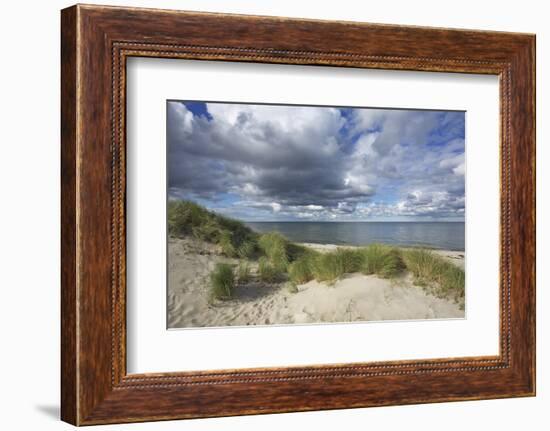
(290, 162)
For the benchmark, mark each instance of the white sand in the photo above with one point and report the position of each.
(356, 297)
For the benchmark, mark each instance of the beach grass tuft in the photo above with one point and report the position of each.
(243, 272)
(266, 271)
(226, 244)
(295, 251)
(351, 260)
(274, 246)
(382, 260)
(333, 265)
(326, 267)
(222, 281)
(247, 249)
(435, 274)
(300, 271)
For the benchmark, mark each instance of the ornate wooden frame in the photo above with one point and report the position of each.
(95, 43)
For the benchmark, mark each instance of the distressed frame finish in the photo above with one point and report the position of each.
(95, 42)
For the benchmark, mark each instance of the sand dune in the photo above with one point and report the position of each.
(356, 297)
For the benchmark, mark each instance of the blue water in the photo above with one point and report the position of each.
(439, 235)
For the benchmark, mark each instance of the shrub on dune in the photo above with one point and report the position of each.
(222, 281)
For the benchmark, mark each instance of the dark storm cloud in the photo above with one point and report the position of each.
(255, 158)
(303, 162)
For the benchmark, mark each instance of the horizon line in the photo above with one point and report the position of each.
(352, 221)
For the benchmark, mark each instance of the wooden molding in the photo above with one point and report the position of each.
(95, 43)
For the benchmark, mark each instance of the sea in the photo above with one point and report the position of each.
(436, 235)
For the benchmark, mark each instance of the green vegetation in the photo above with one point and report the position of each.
(434, 273)
(274, 246)
(295, 251)
(267, 272)
(226, 243)
(382, 260)
(350, 260)
(279, 258)
(300, 271)
(222, 281)
(188, 218)
(376, 259)
(243, 272)
(327, 267)
(247, 249)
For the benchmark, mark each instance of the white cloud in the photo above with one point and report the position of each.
(288, 161)
(275, 206)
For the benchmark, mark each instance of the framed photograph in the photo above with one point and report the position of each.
(264, 215)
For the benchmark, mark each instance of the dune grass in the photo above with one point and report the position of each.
(233, 237)
(222, 281)
(434, 273)
(295, 251)
(267, 272)
(247, 249)
(375, 259)
(350, 260)
(279, 258)
(326, 267)
(274, 246)
(382, 260)
(226, 244)
(243, 272)
(437, 275)
(300, 270)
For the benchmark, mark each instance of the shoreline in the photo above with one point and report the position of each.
(403, 246)
(428, 235)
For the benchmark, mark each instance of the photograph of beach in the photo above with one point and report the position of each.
(290, 214)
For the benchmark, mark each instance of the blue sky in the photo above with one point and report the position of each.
(299, 163)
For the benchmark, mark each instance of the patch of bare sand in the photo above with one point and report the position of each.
(359, 297)
(356, 297)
